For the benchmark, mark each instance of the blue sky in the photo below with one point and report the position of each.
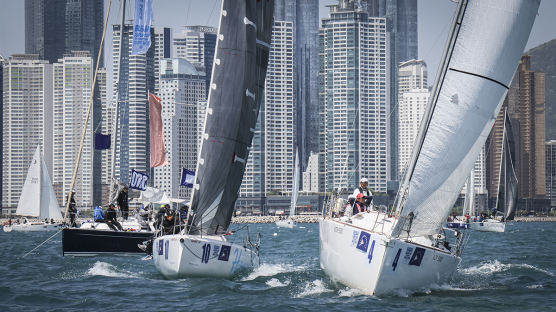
(434, 18)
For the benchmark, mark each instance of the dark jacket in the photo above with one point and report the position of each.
(122, 199)
(111, 215)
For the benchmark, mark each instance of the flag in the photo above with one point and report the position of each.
(158, 153)
(102, 141)
(138, 180)
(142, 26)
(187, 177)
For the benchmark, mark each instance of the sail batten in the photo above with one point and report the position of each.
(480, 60)
(234, 100)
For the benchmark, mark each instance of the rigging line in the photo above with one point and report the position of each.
(25, 255)
(480, 76)
(84, 132)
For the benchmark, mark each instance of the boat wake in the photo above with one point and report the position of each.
(267, 270)
(495, 266)
(106, 269)
(315, 287)
(274, 283)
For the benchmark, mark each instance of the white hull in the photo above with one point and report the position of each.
(288, 223)
(179, 255)
(377, 265)
(488, 225)
(32, 227)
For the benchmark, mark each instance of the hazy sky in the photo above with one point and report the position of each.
(434, 18)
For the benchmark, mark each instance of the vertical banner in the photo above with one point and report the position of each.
(158, 153)
(187, 177)
(142, 26)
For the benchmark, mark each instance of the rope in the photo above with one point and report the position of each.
(84, 132)
(25, 255)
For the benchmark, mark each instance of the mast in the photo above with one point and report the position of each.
(117, 109)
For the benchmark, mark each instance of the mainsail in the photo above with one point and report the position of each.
(507, 187)
(235, 96)
(484, 48)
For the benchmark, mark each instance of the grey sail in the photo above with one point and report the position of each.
(507, 188)
(236, 92)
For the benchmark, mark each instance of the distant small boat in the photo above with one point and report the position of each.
(289, 222)
(37, 200)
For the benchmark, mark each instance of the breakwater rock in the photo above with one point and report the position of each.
(272, 219)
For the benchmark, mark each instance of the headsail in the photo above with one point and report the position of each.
(479, 62)
(235, 96)
(507, 188)
(49, 204)
(28, 205)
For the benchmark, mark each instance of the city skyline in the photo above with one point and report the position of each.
(433, 22)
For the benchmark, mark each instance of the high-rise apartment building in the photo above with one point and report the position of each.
(138, 77)
(526, 105)
(182, 90)
(27, 118)
(280, 110)
(55, 27)
(72, 81)
(401, 21)
(311, 174)
(412, 107)
(196, 44)
(551, 172)
(1, 120)
(354, 94)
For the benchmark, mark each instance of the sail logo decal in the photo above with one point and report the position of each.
(224, 254)
(160, 247)
(363, 242)
(166, 245)
(395, 262)
(417, 257)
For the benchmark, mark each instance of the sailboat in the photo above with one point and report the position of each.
(289, 223)
(468, 205)
(37, 199)
(506, 200)
(235, 95)
(381, 253)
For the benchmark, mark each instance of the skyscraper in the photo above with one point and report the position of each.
(182, 90)
(137, 79)
(27, 112)
(354, 98)
(401, 21)
(73, 77)
(551, 172)
(196, 44)
(55, 27)
(1, 119)
(526, 104)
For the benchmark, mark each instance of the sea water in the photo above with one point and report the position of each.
(512, 271)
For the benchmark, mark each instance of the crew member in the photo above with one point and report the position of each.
(363, 189)
(112, 219)
(123, 204)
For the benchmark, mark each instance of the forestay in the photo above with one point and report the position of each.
(485, 45)
(295, 190)
(235, 95)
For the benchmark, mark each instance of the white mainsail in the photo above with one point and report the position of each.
(45, 205)
(482, 55)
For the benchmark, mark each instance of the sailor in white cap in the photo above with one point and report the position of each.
(362, 189)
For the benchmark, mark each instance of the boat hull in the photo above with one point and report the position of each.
(457, 225)
(84, 242)
(488, 226)
(288, 223)
(32, 227)
(378, 265)
(177, 256)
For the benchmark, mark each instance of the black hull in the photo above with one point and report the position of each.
(82, 242)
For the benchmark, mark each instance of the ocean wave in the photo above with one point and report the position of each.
(274, 282)
(271, 270)
(314, 288)
(106, 269)
(495, 266)
(349, 292)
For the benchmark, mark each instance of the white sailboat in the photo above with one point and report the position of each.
(37, 200)
(380, 253)
(237, 83)
(289, 222)
(506, 200)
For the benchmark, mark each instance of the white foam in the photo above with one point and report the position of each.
(495, 266)
(274, 282)
(271, 270)
(314, 288)
(106, 269)
(535, 286)
(349, 292)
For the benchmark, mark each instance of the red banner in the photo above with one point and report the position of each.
(158, 153)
